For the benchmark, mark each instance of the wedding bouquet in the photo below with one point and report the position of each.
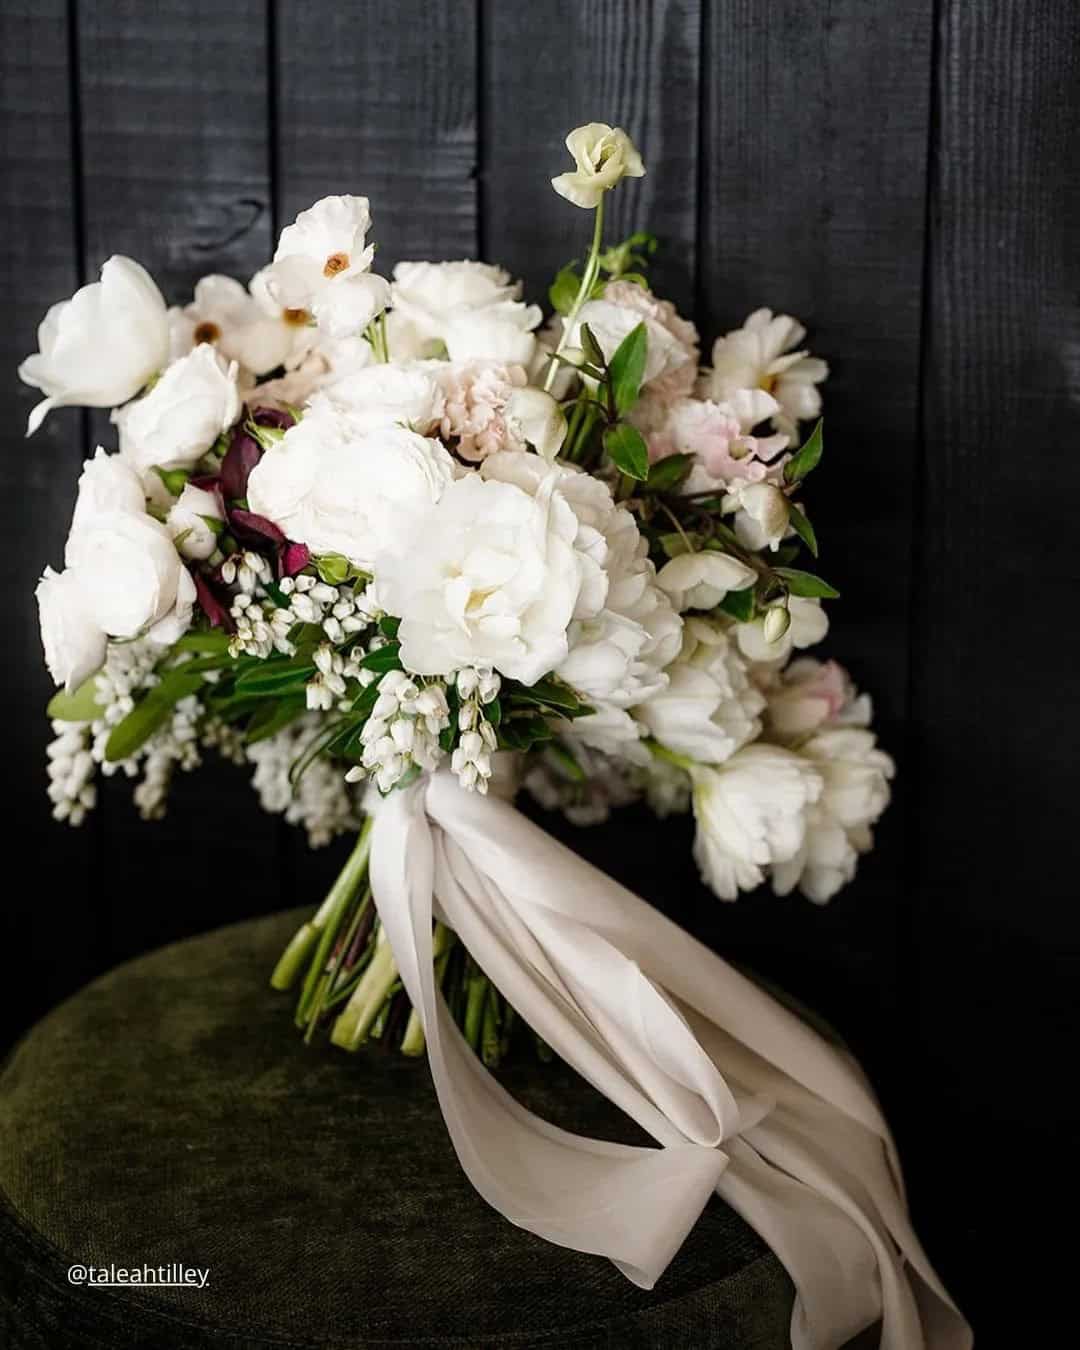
(401, 542)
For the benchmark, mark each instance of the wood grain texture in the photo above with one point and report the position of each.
(996, 681)
(177, 173)
(814, 146)
(380, 101)
(548, 68)
(47, 920)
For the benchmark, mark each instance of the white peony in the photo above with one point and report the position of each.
(472, 309)
(190, 522)
(855, 776)
(323, 265)
(751, 814)
(488, 577)
(809, 624)
(603, 155)
(100, 347)
(107, 483)
(702, 580)
(339, 490)
(710, 708)
(177, 422)
(244, 324)
(380, 395)
(74, 644)
(759, 355)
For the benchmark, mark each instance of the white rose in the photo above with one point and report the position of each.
(74, 644)
(702, 580)
(107, 483)
(323, 265)
(855, 776)
(809, 624)
(710, 708)
(348, 492)
(472, 309)
(131, 577)
(381, 395)
(751, 814)
(177, 422)
(188, 522)
(489, 577)
(603, 156)
(100, 347)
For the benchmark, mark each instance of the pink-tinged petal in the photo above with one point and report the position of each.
(211, 606)
(294, 558)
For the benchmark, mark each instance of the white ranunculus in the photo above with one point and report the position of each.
(751, 814)
(245, 325)
(74, 644)
(855, 775)
(759, 355)
(381, 395)
(710, 708)
(339, 490)
(107, 483)
(702, 580)
(177, 422)
(534, 417)
(100, 347)
(603, 155)
(472, 309)
(809, 624)
(131, 577)
(189, 522)
(489, 577)
(323, 265)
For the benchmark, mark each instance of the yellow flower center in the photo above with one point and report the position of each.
(337, 262)
(767, 382)
(296, 318)
(207, 332)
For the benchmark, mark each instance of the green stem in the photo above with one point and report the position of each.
(588, 279)
(661, 752)
(355, 1021)
(330, 915)
(490, 1041)
(478, 985)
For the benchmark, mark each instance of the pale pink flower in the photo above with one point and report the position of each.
(679, 381)
(714, 433)
(476, 416)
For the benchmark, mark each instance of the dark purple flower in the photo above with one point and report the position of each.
(255, 530)
(211, 606)
(294, 558)
(243, 454)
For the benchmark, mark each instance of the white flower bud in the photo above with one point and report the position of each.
(776, 623)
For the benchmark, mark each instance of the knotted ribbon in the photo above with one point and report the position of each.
(743, 1098)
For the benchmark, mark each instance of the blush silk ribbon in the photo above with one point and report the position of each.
(742, 1097)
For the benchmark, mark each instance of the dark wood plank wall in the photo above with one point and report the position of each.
(902, 177)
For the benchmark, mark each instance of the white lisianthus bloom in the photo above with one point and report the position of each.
(489, 577)
(760, 355)
(323, 265)
(603, 155)
(855, 776)
(107, 483)
(74, 644)
(191, 519)
(535, 418)
(702, 580)
(809, 624)
(809, 693)
(472, 309)
(131, 577)
(245, 325)
(710, 707)
(177, 422)
(380, 395)
(100, 347)
(339, 490)
(751, 814)
(761, 515)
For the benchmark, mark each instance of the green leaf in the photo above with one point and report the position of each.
(806, 584)
(626, 369)
(668, 473)
(149, 713)
(522, 733)
(269, 718)
(676, 544)
(739, 604)
(550, 693)
(592, 349)
(175, 480)
(806, 458)
(383, 658)
(333, 568)
(81, 706)
(627, 450)
(563, 290)
(213, 523)
(803, 528)
(493, 712)
(389, 626)
(275, 677)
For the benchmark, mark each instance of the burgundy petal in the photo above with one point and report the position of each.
(294, 558)
(243, 454)
(211, 606)
(257, 529)
(273, 417)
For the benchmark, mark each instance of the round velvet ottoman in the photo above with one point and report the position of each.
(169, 1116)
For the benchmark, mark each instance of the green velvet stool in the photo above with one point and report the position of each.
(169, 1114)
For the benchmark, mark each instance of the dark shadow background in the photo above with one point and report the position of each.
(902, 177)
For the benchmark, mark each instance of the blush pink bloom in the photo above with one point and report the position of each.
(475, 416)
(680, 381)
(713, 433)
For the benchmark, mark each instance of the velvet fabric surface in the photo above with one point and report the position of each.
(169, 1113)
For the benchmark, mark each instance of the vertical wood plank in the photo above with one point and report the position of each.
(176, 155)
(996, 687)
(380, 101)
(814, 150)
(47, 915)
(548, 68)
